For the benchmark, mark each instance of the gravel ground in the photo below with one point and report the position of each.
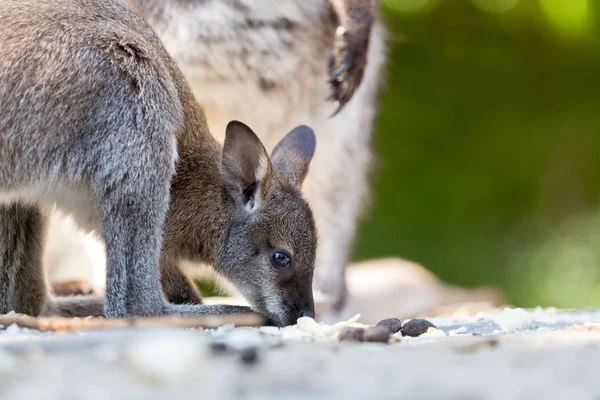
(516, 354)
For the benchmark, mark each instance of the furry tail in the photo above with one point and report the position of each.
(75, 306)
(85, 306)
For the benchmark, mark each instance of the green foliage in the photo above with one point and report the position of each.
(489, 147)
(208, 287)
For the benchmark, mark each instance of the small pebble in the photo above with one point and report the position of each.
(416, 327)
(377, 334)
(352, 334)
(249, 355)
(218, 346)
(393, 324)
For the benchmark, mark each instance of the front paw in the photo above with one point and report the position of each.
(347, 65)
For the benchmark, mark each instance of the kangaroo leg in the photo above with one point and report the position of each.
(178, 288)
(132, 230)
(132, 218)
(22, 283)
(338, 183)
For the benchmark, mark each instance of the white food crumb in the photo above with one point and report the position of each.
(309, 325)
(308, 329)
(270, 330)
(513, 320)
(292, 333)
(226, 327)
(547, 315)
(433, 332)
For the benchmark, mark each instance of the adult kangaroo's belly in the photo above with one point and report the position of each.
(270, 114)
(267, 67)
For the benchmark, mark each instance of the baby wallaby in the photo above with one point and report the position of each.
(98, 120)
(286, 57)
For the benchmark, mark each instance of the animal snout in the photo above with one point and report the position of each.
(306, 313)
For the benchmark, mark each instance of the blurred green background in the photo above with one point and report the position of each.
(488, 142)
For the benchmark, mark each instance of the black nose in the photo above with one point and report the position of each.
(307, 314)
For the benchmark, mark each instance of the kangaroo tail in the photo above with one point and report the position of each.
(75, 306)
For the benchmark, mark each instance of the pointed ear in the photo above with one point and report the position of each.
(245, 165)
(291, 157)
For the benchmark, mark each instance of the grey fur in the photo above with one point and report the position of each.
(93, 109)
(293, 153)
(21, 239)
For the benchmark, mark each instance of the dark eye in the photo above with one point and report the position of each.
(281, 258)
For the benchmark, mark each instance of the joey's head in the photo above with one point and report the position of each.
(269, 250)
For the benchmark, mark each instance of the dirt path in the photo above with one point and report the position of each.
(514, 355)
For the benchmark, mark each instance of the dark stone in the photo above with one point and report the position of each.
(352, 334)
(416, 327)
(377, 334)
(249, 355)
(393, 324)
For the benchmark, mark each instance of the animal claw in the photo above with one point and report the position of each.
(341, 105)
(331, 64)
(340, 70)
(332, 95)
(345, 68)
(345, 89)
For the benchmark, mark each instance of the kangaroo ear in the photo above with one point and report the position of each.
(291, 157)
(245, 165)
